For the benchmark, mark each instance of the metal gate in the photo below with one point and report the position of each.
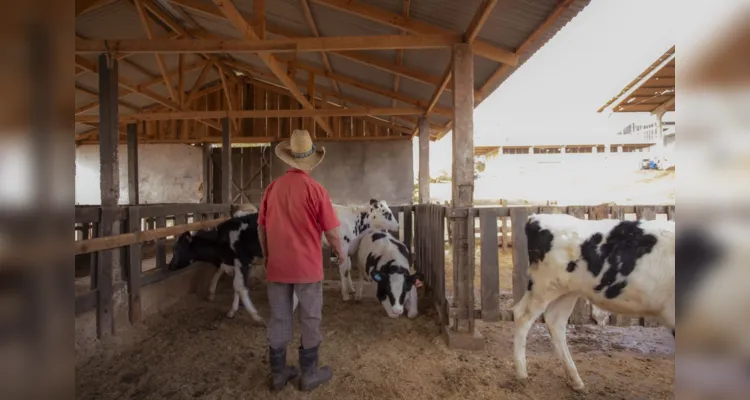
(251, 174)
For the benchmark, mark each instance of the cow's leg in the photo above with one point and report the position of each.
(295, 302)
(345, 272)
(241, 289)
(222, 268)
(358, 295)
(349, 280)
(556, 317)
(411, 303)
(525, 312)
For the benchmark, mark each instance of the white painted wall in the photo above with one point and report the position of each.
(169, 173)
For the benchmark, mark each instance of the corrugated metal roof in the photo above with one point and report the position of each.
(508, 26)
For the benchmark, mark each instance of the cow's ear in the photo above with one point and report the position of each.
(373, 202)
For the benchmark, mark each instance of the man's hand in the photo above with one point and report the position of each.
(334, 239)
(341, 259)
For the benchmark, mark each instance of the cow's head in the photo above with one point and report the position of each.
(381, 216)
(394, 282)
(182, 253)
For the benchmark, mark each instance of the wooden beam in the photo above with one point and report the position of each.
(483, 12)
(424, 161)
(370, 87)
(363, 58)
(259, 18)
(227, 94)
(234, 16)
(159, 60)
(248, 114)
(309, 44)
(489, 86)
(226, 162)
(314, 28)
(254, 139)
(377, 14)
(133, 178)
(92, 92)
(400, 54)
(198, 82)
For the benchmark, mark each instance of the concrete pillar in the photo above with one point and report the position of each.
(619, 149)
(424, 161)
(659, 148)
(531, 150)
(463, 334)
(594, 149)
(226, 162)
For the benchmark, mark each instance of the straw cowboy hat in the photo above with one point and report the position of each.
(299, 151)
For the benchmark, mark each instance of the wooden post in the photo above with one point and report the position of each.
(134, 267)
(463, 334)
(133, 178)
(424, 161)
(226, 163)
(518, 217)
(207, 173)
(490, 265)
(110, 187)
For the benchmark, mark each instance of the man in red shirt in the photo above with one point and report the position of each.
(295, 210)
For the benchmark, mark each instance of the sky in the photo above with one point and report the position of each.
(554, 96)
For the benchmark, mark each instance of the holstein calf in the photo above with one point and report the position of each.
(231, 247)
(624, 267)
(384, 259)
(355, 220)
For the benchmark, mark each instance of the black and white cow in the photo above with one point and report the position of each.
(231, 247)
(384, 259)
(354, 221)
(624, 267)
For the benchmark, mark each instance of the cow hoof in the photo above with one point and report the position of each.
(210, 297)
(412, 316)
(230, 314)
(579, 388)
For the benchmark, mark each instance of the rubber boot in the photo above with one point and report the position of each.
(312, 376)
(281, 374)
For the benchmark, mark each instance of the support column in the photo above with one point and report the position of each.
(207, 173)
(110, 188)
(462, 334)
(659, 134)
(424, 161)
(133, 178)
(226, 163)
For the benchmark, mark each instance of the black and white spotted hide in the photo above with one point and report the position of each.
(623, 267)
(386, 261)
(355, 220)
(231, 247)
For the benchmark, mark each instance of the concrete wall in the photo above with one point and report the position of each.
(355, 172)
(169, 173)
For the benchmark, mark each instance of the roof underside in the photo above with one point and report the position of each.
(653, 89)
(509, 26)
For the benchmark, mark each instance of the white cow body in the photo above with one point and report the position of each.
(624, 267)
(354, 221)
(384, 259)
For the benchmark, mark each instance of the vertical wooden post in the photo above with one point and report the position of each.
(490, 275)
(518, 217)
(133, 178)
(463, 334)
(207, 173)
(134, 267)
(226, 163)
(110, 186)
(424, 161)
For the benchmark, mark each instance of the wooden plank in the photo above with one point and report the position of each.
(490, 267)
(87, 214)
(134, 269)
(518, 217)
(648, 214)
(259, 103)
(161, 251)
(206, 173)
(504, 233)
(581, 314)
(408, 233)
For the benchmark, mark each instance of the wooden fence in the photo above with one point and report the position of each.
(134, 220)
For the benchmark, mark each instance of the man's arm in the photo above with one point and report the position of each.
(334, 239)
(263, 242)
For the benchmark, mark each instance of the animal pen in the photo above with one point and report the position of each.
(235, 78)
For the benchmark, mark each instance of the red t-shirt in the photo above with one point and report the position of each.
(295, 211)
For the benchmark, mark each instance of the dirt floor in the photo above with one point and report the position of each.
(195, 351)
